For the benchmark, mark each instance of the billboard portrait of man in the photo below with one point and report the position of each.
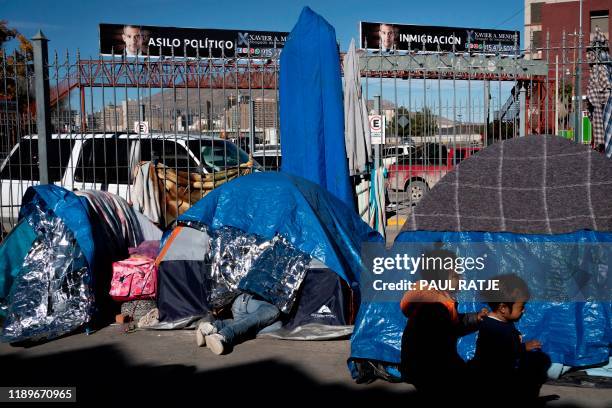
(387, 35)
(133, 38)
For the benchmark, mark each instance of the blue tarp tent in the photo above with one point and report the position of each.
(513, 199)
(70, 208)
(276, 235)
(47, 285)
(56, 263)
(309, 217)
(311, 107)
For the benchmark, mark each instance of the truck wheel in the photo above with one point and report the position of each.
(416, 189)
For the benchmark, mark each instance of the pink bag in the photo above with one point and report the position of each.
(134, 278)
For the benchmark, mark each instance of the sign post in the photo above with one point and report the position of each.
(377, 129)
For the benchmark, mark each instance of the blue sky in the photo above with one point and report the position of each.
(72, 25)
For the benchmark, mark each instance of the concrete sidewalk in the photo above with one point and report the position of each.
(110, 365)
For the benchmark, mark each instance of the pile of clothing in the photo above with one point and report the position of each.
(118, 221)
(599, 92)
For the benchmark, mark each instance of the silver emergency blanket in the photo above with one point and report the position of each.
(52, 295)
(272, 269)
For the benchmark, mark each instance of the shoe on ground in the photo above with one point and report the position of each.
(204, 329)
(215, 343)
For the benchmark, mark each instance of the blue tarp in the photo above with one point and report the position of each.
(51, 293)
(72, 209)
(12, 251)
(313, 220)
(572, 333)
(311, 107)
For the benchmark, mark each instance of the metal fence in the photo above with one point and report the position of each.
(104, 116)
(198, 118)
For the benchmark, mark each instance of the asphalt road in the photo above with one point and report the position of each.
(111, 366)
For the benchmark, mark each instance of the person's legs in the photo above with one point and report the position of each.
(220, 324)
(238, 311)
(216, 341)
(206, 329)
(253, 315)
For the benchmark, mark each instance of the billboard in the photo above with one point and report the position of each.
(390, 37)
(133, 40)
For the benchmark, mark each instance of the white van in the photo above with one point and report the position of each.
(103, 162)
(391, 153)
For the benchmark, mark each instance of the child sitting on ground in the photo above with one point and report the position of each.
(429, 357)
(501, 353)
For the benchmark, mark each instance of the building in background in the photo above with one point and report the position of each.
(558, 16)
(238, 116)
(552, 30)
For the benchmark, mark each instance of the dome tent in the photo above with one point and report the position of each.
(55, 264)
(43, 298)
(512, 199)
(257, 208)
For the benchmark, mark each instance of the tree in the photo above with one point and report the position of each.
(419, 123)
(15, 66)
(390, 128)
(6, 33)
(424, 123)
(16, 91)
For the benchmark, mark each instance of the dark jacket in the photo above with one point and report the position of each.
(429, 355)
(501, 354)
(499, 349)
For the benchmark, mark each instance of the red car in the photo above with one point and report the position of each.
(416, 173)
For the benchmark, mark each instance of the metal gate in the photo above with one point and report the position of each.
(441, 108)
(104, 116)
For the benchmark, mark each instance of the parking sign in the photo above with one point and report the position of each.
(141, 127)
(377, 128)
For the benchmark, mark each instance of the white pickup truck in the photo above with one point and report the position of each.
(104, 162)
